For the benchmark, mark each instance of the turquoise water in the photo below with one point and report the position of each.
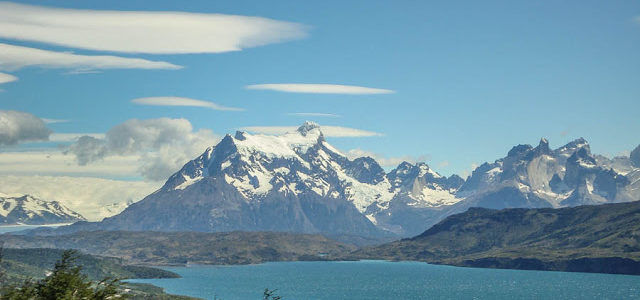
(14, 228)
(391, 280)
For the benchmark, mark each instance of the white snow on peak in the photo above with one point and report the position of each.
(433, 197)
(33, 206)
(308, 126)
(424, 169)
(288, 145)
(187, 182)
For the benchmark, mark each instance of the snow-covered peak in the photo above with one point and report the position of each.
(288, 145)
(571, 147)
(424, 170)
(26, 209)
(308, 126)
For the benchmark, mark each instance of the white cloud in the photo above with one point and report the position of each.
(72, 137)
(94, 198)
(312, 88)
(54, 162)
(53, 121)
(387, 162)
(18, 127)
(180, 101)
(4, 78)
(443, 164)
(313, 114)
(162, 145)
(142, 31)
(328, 131)
(16, 57)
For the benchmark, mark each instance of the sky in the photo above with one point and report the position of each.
(452, 83)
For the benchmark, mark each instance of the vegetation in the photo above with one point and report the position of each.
(24, 276)
(603, 238)
(21, 264)
(65, 282)
(173, 248)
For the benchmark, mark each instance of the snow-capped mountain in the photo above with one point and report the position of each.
(299, 182)
(292, 182)
(28, 210)
(540, 177)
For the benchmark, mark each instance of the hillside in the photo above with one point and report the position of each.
(604, 238)
(166, 248)
(18, 265)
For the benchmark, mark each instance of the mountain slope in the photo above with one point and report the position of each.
(298, 182)
(162, 248)
(543, 238)
(26, 209)
(535, 177)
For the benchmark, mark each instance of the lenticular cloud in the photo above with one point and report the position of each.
(142, 31)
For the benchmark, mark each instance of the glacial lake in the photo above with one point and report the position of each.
(14, 228)
(390, 280)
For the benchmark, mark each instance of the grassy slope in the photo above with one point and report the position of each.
(32, 264)
(164, 248)
(604, 238)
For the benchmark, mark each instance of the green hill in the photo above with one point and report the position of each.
(18, 265)
(603, 238)
(166, 248)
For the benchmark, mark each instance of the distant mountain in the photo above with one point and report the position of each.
(602, 238)
(294, 182)
(298, 182)
(28, 210)
(534, 177)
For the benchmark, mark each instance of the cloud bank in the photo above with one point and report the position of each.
(142, 31)
(94, 198)
(163, 145)
(180, 101)
(328, 131)
(55, 163)
(4, 78)
(18, 127)
(313, 88)
(17, 57)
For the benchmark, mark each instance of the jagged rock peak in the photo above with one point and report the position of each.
(519, 150)
(635, 157)
(574, 145)
(544, 143)
(308, 126)
(240, 135)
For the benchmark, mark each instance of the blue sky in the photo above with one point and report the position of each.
(470, 78)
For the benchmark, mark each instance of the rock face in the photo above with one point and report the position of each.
(294, 182)
(536, 177)
(635, 157)
(298, 182)
(28, 210)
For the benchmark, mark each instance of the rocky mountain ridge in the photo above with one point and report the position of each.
(28, 210)
(298, 182)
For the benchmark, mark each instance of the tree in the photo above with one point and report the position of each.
(270, 295)
(65, 282)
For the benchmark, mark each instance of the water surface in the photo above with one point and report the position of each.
(20, 227)
(391, 280)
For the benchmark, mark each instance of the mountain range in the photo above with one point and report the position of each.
(298, 182)
(29, 210)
